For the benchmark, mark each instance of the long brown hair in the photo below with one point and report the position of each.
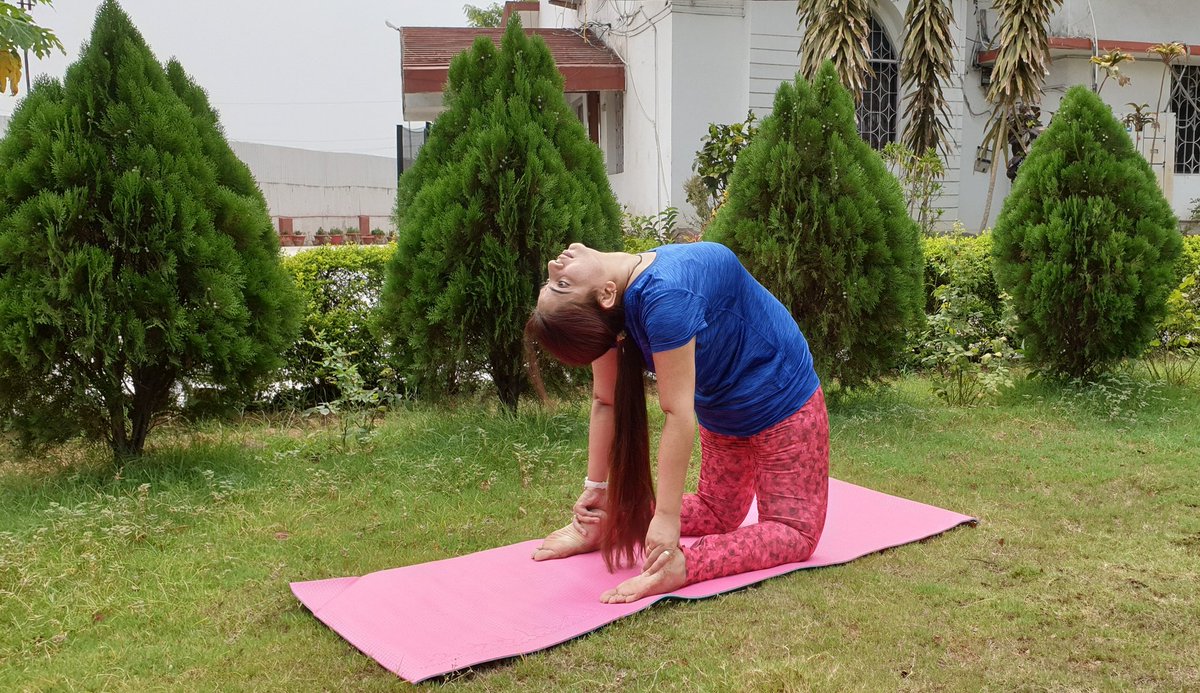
(577, 334)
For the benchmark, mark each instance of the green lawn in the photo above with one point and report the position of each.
(1083, 574)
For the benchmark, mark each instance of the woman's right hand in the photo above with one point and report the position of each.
(590, 508)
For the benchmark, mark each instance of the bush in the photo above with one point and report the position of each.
(964, 262)
(507, 178)
(966, 348)
(136, 255)
(1085, 243)
(920, 179)
(339, 288)
(1174, 352)
(1189, 259)
(816, 217)
(643, 233)
(714, 163)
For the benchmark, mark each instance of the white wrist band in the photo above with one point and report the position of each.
(598, 485)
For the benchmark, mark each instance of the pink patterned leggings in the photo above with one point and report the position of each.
(787, 467)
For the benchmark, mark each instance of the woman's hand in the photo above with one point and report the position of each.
(590, 508)
(663, 534)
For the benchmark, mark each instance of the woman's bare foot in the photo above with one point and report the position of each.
(568, 541)
(668, 573)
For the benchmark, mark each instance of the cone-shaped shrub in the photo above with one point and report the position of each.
(240, 212)
(816, 217)
(1085, 243)
(130, 260)
(507, 178)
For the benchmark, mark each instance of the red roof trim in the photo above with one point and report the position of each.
(1065, 45)
(585, 62)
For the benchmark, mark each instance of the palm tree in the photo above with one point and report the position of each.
(925, 65)
(1020, 70)
(838, 31)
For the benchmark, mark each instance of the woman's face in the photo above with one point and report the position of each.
(578, 272)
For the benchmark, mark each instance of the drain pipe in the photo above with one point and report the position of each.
(1095, 49)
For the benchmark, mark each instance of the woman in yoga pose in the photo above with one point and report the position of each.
(723, 351)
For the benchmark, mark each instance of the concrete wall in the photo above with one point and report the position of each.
(318, 189)
(707, 86)
(322, 189)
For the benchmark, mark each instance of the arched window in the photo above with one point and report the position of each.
(1185, 101)
(878, 113)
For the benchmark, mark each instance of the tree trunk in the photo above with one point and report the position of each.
(1001, 137)
(507, 375)
(118, 438)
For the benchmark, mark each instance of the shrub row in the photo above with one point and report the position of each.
(340, 288)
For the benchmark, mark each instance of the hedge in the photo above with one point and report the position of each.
(340, 287)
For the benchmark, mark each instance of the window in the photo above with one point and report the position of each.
(1185, 102)
(878, 112)
(614, 131)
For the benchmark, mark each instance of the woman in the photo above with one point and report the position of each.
(724, 351)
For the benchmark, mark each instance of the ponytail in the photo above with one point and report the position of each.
(630, 488)
(577, 334)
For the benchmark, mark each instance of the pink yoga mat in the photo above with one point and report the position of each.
(425, 620)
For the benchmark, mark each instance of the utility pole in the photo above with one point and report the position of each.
(26, 5)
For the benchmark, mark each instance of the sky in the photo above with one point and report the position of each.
(298, 73)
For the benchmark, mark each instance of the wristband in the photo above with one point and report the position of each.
(588, 484)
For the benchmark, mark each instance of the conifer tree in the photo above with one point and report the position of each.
(1085, 243)
(240, 212)
(507, 178)
(816, 217)
(130, 260)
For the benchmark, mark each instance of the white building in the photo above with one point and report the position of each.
(648, 76)
(306, 190)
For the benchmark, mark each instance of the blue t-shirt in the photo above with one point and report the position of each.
(753, 366)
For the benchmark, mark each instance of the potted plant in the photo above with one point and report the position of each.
(352, 235)
(336, 237)
(322, 237)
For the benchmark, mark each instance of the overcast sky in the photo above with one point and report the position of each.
(300, 73)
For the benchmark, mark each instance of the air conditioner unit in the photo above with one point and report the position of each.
(1155, 141)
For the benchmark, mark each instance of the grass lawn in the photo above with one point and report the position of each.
(1083, 574)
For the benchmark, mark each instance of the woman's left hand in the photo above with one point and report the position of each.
(663, 534)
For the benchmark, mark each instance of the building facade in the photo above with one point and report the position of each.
(688, 63)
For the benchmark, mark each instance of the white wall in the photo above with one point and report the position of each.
(1144, 20)
(326, 189)
(712, 68)
(322, 189)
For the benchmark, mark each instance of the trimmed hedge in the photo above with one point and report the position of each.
(962, 261)
(972, 268)
(340, 287)
(1189, 259)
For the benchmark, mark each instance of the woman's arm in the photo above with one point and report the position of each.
(589, 508)
(676, 374)
(600, 424)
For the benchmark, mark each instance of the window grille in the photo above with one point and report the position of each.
(880, 107)
(1185, 102)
